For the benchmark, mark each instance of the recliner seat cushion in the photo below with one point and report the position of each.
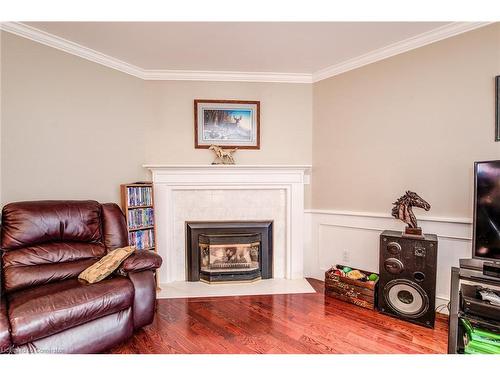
(95, 336)
(42, 311)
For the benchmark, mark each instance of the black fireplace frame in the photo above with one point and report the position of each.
(195, 228)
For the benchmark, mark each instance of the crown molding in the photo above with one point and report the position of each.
(65, 45)
(204, 75)
(76, 49)
(429, 37)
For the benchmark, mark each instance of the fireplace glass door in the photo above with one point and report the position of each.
(230, 257)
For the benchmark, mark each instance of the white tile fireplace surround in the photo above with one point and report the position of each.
(230, 193)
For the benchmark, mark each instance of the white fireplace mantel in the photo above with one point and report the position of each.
(250, 180)
(185, 173)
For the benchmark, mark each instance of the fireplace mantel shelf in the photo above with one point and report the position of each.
(305, 168)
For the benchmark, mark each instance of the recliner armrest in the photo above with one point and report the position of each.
(139, 268)
(140, 260)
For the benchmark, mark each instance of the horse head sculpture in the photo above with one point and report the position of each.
(402, 209)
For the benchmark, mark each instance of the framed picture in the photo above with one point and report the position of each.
(227, 123)
(497, 108)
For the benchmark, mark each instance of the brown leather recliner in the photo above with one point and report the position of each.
(43, 306)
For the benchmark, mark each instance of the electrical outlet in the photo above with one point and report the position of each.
(345, 256)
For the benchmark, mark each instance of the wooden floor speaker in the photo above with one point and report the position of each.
(407, 285)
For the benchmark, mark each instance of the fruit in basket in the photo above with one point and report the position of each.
(373, 277)
(346, 270)
(356, 275)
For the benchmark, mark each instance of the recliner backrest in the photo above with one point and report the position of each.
(30, 223)
(46, 241)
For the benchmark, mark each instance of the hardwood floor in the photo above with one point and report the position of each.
(293, 323)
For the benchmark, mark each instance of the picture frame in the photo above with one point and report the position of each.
(227, 123)
(497, 108)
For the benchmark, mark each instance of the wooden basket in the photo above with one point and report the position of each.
(360, 293)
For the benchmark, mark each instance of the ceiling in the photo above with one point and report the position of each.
(257, 47)
(289, 49)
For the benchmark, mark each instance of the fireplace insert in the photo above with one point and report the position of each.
(228, 251)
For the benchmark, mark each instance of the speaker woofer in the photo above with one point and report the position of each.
(406, 298)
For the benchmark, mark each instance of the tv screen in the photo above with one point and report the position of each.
(487, 210)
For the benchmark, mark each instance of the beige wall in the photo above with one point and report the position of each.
(414, 121)
(286, 121)
(74, 129)
(71, 128)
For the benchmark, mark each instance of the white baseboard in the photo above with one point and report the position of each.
(330, 233)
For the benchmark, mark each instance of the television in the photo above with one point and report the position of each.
(486, 232)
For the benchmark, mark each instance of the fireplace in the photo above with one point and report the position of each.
(238, 251)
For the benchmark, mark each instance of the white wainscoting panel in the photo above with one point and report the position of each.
(332, 233)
